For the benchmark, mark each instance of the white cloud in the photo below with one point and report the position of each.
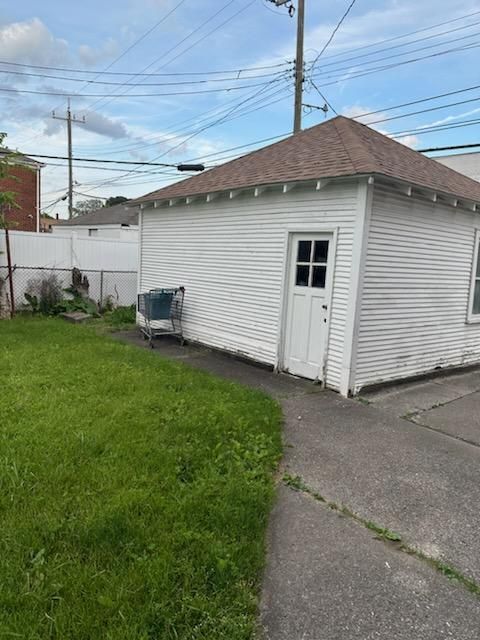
(449, 119)
(31, 42)
(410, 141)
(90, 56)
(357, 111)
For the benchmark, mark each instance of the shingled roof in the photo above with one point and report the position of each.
(116, 214)
(335, 148)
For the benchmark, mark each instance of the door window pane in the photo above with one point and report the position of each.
(303, 272)
(304, 250)
(476, 298)
(320, 252)
(319, 275)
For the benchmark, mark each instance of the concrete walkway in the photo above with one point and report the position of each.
(330, 577)
(448, 403)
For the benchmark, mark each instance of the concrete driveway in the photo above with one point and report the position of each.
(448, 403)
(375, 531)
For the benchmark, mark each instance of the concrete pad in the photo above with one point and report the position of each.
(466, 382)
(459, 418)
(76, 317)
(418, 482)
(328, 578)
(412, 397)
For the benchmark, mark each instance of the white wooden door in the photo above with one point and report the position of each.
(307, 304)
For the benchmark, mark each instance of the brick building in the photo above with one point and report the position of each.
(24, 181)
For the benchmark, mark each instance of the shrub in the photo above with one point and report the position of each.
(44, 293)
(122, 316)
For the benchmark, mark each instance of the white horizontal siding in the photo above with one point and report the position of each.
(416, 289)
(229, 255)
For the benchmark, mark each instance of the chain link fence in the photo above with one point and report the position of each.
(106, 288)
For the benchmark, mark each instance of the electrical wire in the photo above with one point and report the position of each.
(148, 75)
(405, 44)
(158, 164)
(348, 68)
(420, 100)
(166, 53)
(399, 37)
(346, 78)
(415, 113)
(140, 84)
(332, 35)
(169, 136)
(332, 108)
(130, 95)
(192, 135)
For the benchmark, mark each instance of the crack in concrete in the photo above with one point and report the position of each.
(295, 483)
(438, 430)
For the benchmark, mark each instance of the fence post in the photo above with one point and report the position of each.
(10, 273)
(73, 250)
(101, 289)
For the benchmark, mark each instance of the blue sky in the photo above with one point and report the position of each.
(235, 108)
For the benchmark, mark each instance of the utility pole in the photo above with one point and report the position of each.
(69, 119)
(299, 70)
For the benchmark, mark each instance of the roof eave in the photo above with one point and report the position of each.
(256, 189)
(447, 197)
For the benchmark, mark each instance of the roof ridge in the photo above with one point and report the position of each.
(335, 121)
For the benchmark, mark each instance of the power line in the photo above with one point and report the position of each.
(405, 44)
(141, 84)
(332, 35)
(161, 164)
(451, 148)
(166, 53)
(404, 53)
(151, 141)
(398, 64)
(131, 95)
(223, 115)
(95, 168)
(460, 124)
(193, 134)
(415, 113)
(323, 97)
(148, 75)
(412, 102)
(405, 35)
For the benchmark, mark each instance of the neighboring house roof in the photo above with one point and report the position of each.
(335, 148)
(118, 214)
(19, 158)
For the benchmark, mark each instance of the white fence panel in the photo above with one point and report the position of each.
(64, 252)
(110, 265)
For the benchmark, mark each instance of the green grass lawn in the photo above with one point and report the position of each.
(134, 492)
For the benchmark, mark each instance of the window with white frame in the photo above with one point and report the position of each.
(475, 292)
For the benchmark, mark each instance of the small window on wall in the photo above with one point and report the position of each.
(93, 232)
(311, 264)
(475, 289)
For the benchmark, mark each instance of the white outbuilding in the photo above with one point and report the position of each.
(336, 254)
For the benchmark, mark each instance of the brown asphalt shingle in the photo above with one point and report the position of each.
(335, 148)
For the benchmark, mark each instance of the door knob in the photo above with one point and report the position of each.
(324, 306)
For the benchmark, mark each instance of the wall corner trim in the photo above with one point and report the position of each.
(359, 254)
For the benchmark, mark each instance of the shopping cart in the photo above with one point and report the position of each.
(163, 307)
